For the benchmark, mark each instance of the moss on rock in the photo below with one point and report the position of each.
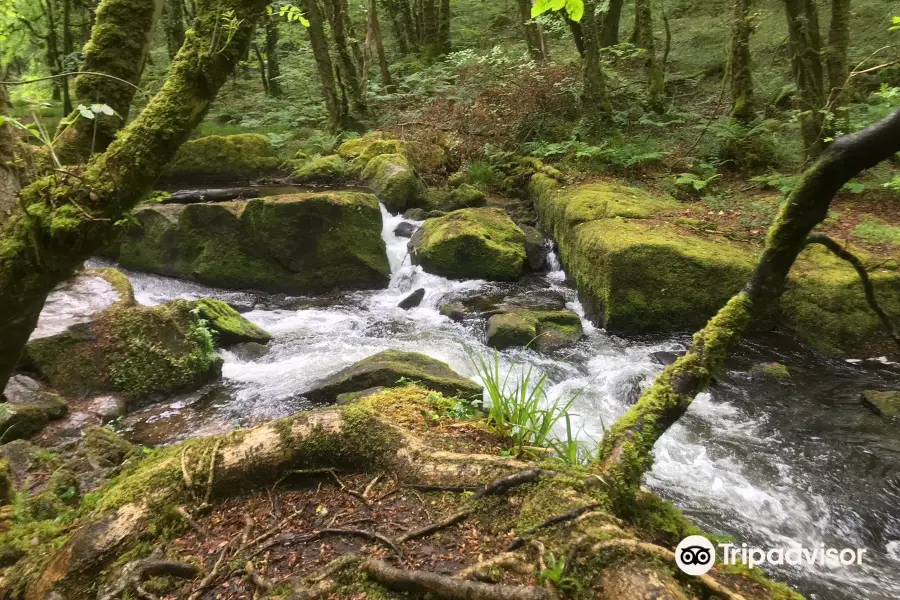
(545, 330)
(885, 403)
(138, 351)
(395, 182)
(104, 449)
(24, 390)
(473, 243)
(772, 370)
(389, 369)
(18, 421)
(228, 325)
(323, 169)
(296, 244)
(231, 158)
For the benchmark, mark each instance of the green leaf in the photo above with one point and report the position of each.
(86, 113)
(575, 8)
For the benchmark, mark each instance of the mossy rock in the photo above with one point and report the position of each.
(19, 421)
(395, 182)
(885, 403)
(228, 325)
(104, 449)
(389, 369)
(772, 370)
(231, 158)
(138, 351)
(294, 244)
(542, 330)
(464, 196)
(24, 390)
(324, 169)
(423, 156)
(473, 243)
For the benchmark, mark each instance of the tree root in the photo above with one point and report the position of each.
(296, 538)
(446, 587)
(508, 561)
(359, 496)
(435, 527)
(134, 573)
(504, 484)
(568, 516)
(868, 288)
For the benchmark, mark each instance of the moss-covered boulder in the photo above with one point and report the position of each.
(770, 370)
(395, 182)
(464, 196)
(473, 243)
(19, 421)
(24, 390)
(295, 244)
(423, 156)
(230, 158)
(104, 449)
(544, 330)
(885, 403)
(637, 270)
(323, 169)
(227, 324)
(389, 369)
(138, 351)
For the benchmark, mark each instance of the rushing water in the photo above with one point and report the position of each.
(769, 463)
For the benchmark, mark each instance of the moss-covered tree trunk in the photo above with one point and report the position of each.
(836, 59)
(596, 112)
(324, 66)
(444, 27)
(627, 450)
(741, 72)
(9, 178)
(806, 63)
(398, 28)
(529, 29)
(609, 25)
(643, 24)
(70, 216)
(68, 48)
(273, 71)
(119, 45)
(174, 24)
(431, 40)
(51, 56)
(350, 76)
(375, 35)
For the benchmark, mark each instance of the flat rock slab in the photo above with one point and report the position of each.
(390, 369)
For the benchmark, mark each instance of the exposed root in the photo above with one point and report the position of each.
(568, 516)
(205, 505)
(445, 488)
(361, 497)
(207, 581)
(297, 538)
(446, 587)
(371, 486)
(504, 484)
(183, 512)
(134, 573)
(435, 527)
(508, 561)
(261, 585)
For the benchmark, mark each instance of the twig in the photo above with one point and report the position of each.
(370, 486)
(445, 488)
(435, 527)
(185, 472)
(248, 529)
(211, 576)
(361, 497)
(262, 586)
(446, 587)
(567, 516)
(190, 520)
(212, 475)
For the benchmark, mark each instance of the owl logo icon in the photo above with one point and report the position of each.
(695, 555)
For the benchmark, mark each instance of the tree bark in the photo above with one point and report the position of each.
(350, 75)
(836, 58)
(68, 218)
(9, 179)
(529, 28)
(322, 56)
(596, 112)
(119, 45)
(806, 50)
(68, 49)
(273, 71)
(627, 450)
(577, 34)
(174, 23)
(261, 64)
(444, 27)
(397, 26)
(643, 19)
(431, 41)
(375, 34)
(609, 26)
(741, 72)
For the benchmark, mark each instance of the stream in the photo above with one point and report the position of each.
(768, 462)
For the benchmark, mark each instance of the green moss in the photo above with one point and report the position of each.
(389, 369)
(473, 243)
(544, 330)
(228, 324)
(885, 403)
(395, 182)
(19, 421)
(324, 169)
(105, 449)
(138, 351)
(120, 283)
(7, 490)
(297, 244)
(774, 370)
(224, 158)
(464, 196)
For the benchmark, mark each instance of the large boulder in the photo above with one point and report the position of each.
(464, 196)
(322, 169)
(228, 325)
(135, 350)
(473, 243)
(544, 330)
(388, 369)
(25, 391)
(230, 158)
(295, 244)
(18, 421)
(395, 182)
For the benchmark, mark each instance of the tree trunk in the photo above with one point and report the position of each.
(174, 23)
(836, 59)
(375, 34)
(355, 42)
(69, 218)
(397, 26)
(444, 27)
(54, 63)
(349, 73)
(577, 34)
(529, 28)
(431, 42)
(627, 450)
(609, 26)
(119, 45)
(322, 56)
(261, 64)
(68, 49)
(643, 19)
(806, 49)
(741, 72)
(273, 71)
(9, 180)
(596, 112)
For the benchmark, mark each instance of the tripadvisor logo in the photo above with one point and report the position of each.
(696, 555)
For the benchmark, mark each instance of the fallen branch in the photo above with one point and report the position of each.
(504, 484)
(846, 255)
(446, 587)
